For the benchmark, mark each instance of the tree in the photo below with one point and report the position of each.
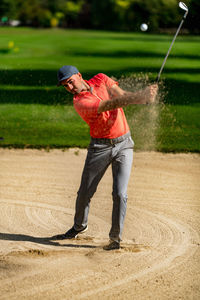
(103, 15)
(33, 13)
(72, 10)
(126, 15)
(193, 19)
(8, 8)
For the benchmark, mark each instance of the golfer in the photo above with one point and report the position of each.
(99, 102)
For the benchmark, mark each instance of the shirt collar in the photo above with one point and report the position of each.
(91, 84)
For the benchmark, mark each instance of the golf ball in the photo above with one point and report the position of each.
(143, 27)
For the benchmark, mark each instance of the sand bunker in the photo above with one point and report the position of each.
(159, 258)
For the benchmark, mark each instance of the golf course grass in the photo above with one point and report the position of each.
(35, 113)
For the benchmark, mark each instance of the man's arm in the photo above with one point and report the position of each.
(122, 98)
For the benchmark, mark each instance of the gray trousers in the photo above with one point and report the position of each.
(99, 157)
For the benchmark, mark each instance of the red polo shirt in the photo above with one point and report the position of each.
(108, 124)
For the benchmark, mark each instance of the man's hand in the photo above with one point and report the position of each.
(150, 93)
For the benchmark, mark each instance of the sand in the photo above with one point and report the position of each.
(160, 254)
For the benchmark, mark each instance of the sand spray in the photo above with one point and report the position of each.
(143, 119)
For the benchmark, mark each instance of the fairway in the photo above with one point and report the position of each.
(29, 76)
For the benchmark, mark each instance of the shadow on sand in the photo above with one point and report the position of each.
(39, 240)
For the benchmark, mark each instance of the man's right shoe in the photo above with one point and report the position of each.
(70, 234)
(113, 245)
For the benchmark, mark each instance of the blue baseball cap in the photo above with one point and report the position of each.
(66, 72)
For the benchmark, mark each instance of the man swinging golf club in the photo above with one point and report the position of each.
(99, 102)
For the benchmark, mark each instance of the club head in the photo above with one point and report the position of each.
(183, 6)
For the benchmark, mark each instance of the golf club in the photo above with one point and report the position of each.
(185, 8)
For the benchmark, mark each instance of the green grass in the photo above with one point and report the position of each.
(39, 126)
(35, 113)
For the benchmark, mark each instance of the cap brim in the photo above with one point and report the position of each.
(66, 77)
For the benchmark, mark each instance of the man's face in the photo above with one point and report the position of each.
(73, 84)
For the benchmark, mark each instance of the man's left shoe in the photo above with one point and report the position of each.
(70, 234)
(112, 246)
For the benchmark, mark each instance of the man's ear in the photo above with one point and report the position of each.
(79, 74)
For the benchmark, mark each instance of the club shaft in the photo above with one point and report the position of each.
(163, 64)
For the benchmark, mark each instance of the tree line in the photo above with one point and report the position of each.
(117, 15)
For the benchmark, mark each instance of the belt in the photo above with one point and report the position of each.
(111, 141)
